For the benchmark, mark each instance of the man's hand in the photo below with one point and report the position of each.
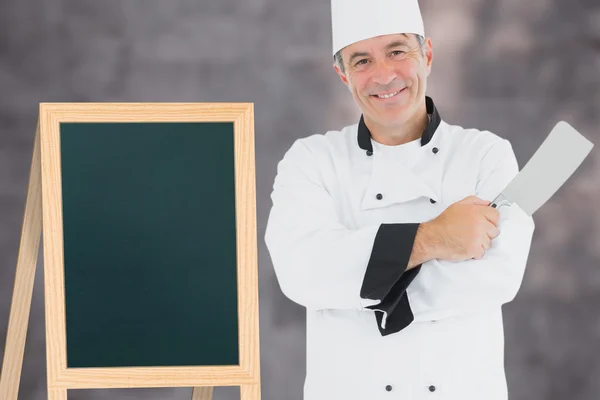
(463, 231)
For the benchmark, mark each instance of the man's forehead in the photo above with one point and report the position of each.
(377, 42)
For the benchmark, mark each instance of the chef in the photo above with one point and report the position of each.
(384, 232)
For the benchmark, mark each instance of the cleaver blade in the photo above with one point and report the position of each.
(561, 153)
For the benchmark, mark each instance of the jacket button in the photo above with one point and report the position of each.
(435, 150)
(388, 388)
(369, 153)
(379, 196)
(432, 388)
(432, 201)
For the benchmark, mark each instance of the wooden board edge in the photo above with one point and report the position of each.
(245, 171)
(147, 112)
(153, 377)
(54, 296)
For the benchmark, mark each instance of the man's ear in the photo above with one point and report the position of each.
(342, 76)
(428, 55)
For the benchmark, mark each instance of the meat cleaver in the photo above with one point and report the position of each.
(552, 164)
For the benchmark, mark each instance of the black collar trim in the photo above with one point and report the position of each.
(364, 135)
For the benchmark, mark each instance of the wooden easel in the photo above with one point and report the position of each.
(31, 232)
(24, 279)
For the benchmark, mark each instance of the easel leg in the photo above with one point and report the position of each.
(24, 280)
(57, 394)
(250, 392)
(202, 393)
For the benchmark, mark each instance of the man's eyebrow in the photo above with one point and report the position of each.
(357, 54)
(396, 43)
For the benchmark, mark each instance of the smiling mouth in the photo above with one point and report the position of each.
(387, 95)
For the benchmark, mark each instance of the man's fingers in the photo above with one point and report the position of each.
(492, 215)
(487, 242)
(491, 231)
(480, 253)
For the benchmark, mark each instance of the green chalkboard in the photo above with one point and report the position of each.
(149, 244)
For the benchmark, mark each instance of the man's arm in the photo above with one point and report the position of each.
(450, 288)
(319, 262)
(424, 245)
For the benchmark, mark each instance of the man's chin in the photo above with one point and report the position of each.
(390, 109)
(397, 116)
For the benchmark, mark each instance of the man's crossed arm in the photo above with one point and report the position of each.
(471, 256)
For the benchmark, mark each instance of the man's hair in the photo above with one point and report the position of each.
(340, 62)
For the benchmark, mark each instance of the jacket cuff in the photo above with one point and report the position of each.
(394, 313)
(386, 277)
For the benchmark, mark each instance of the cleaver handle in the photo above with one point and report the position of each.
(500, 200)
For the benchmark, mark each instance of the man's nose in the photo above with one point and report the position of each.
(384, 73)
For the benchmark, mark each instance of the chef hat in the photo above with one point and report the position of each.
(356, 20)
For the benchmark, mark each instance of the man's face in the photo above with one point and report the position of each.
(387, 76)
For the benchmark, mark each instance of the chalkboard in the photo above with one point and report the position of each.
(161, 288)
(150, 252)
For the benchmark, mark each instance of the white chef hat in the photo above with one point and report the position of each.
(356, 20)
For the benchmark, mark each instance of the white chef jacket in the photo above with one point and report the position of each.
(340, 233)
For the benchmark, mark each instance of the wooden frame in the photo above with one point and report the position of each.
(203, 378)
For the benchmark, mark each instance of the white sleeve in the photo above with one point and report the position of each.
(446, 289)
(320, 263)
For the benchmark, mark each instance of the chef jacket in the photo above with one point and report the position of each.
(340, 233)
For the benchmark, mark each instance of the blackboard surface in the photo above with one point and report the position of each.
(149, 244)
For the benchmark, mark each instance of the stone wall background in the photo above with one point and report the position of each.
(512, 67)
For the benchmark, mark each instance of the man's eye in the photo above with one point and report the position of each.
(361, 62)
(397, 52)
